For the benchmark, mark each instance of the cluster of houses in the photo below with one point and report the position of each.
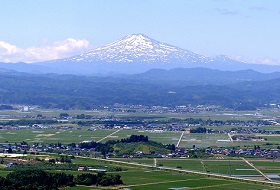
(38, 126)
(245, 130)
(265, 153)
(24, 147)
(256, 152)
(179, 152)
(185, 153)
(163, 109)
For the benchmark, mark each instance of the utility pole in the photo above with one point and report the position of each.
(228, 172)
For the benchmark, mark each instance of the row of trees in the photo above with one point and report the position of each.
(98, 179)
(6, 107)
(200, 130)
(34, 179)
(135, 138)
(62, 159)
(28, 122)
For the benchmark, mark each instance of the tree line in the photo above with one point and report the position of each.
(34, 179)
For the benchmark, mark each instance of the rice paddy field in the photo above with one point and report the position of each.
(69, 136)
(226, 165)
(158, 180)
(103, 135)
(137, 178)
(204, 140)
(52, 135)
(267, 166)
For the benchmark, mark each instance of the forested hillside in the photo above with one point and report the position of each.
(86, 92)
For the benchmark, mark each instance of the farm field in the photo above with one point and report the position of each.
(164, 137)
(226, 166)
(204, 140)
(190, 164)
(135, 177)
(230, 167)
(52, 135)
(103, 135)
(267, 166)
(219, 115)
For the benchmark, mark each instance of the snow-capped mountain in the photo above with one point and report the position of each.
(138, 53)
(139, 48)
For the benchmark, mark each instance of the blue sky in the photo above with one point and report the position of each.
(47, 29)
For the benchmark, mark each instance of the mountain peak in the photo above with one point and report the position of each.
(133, 42)
(136, 36)
(139, 48)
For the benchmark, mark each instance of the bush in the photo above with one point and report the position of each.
(86, 179)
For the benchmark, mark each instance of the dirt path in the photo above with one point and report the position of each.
(162, 182)
(179, 141)
(230, 138)
(209, 186)
(107, 136)
(256, 169)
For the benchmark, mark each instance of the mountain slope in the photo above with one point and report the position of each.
(28, 68)
(205, 76)
(139, 48)
(132, 54)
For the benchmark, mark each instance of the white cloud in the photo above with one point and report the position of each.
(266, 61)
(56, 50)
(7, 49)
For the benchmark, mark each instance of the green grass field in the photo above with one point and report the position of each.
(77, 136)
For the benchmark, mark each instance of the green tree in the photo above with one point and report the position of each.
(63, 115)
